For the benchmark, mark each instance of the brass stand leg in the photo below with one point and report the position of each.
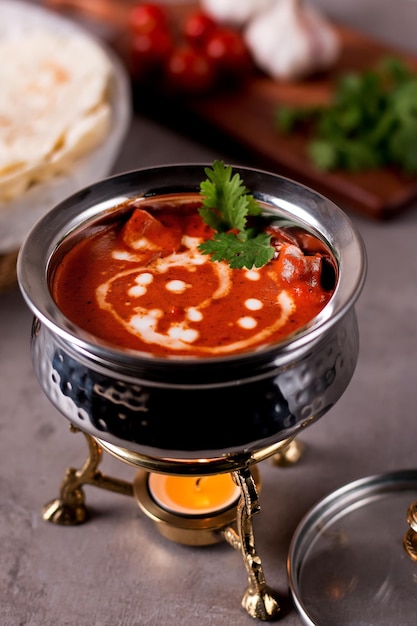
(258, 600)
(410, 538)
(69, 509)
(289, 454)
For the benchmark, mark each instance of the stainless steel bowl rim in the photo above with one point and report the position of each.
(291, 199)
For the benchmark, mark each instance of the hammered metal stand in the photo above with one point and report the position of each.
(235, 525)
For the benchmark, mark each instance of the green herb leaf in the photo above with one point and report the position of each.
(226, 201)
(238, 250)
(371, 121)
(227, 204)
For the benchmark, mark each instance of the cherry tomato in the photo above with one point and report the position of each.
(147, 17)
(196, 27)
(189, 71)
(149, 52)
(228, 51)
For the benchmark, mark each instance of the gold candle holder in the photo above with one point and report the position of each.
(193, 530)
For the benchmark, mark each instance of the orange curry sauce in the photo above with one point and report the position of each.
(140, 282)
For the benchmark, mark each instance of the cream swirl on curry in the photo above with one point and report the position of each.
(142, 283)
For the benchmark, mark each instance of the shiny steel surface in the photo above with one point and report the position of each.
(193, 408)
(347, 564)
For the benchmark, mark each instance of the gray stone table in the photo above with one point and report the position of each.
(116, 570)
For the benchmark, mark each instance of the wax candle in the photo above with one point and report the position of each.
(194, 495)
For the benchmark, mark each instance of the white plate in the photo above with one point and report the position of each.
(19, 215)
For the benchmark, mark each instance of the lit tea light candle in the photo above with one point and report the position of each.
(194, 495)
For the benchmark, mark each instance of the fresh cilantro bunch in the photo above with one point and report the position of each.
(226, 206)
(371, 121)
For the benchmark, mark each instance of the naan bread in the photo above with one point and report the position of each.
(54, 106)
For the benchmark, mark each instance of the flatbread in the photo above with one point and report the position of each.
(54, 106)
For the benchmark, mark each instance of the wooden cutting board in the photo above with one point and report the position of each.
(246, 115)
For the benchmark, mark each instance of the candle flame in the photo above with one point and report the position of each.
(194, 495)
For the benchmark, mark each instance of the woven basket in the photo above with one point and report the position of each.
(8, 270)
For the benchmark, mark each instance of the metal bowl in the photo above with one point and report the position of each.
(188, 409)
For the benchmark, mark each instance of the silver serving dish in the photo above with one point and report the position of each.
(228, 407)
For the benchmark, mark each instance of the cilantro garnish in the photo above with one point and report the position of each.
(227, 204)
(371, 121)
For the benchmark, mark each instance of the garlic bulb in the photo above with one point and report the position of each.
(292, 40)
(234, 12)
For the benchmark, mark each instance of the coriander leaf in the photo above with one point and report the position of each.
(370, 122)
(396, 70)
(239, 252)
(226, 206)
(403, 146)
(323, 153)
(226, 201)
(404, 100)
(353, 155)
(288, 119)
